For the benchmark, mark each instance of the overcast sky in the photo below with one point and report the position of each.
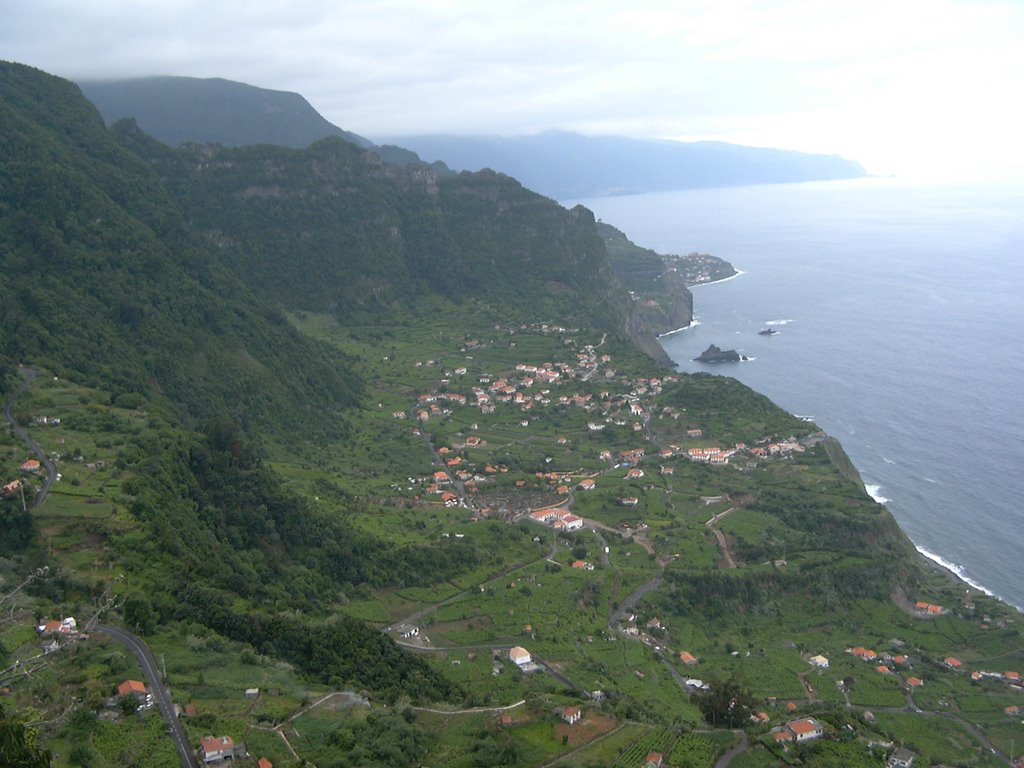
(903, 86)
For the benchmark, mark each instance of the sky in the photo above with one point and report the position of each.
(917, 88)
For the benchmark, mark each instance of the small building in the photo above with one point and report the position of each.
(572, 715)
(901, 758)
(915, 682)
(252, 693)
(806, 729)
(654, 760)
(215, 749)
(953, 662)
(264, 763)
(129, 687)
(519, 656)
(687, 658)
(572, 522)
(818, 661)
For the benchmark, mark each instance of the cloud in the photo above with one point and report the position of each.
(878, 80)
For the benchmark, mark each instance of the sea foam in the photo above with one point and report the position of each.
(874, 491)
(956, 569)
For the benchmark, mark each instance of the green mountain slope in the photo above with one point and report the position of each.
(303, 403)
(115, 289)
(177, 110)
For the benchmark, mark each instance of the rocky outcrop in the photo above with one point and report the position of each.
(714, 354)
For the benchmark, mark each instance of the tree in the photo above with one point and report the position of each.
(727, 704)
(18, 745)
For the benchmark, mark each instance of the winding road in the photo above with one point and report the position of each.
(50, 477)
(154, 684)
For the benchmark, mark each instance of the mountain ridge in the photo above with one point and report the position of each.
(568, 165)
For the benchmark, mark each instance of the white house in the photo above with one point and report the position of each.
(519, 656)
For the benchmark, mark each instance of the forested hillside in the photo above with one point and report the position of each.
(160, 276)
(282, 412)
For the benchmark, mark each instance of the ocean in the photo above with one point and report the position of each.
(900, 314)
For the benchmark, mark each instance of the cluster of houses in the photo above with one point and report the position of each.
(28, 467)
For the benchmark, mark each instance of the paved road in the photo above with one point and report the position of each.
(51, 471)
(161, 695)
(728, 757)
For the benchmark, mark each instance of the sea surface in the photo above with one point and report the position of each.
(900, 312)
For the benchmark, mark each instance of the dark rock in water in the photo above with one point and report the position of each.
(715, 355)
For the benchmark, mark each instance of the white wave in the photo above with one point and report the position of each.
(739, 272)
(932, 480)
(874, 491)
(956, 569)
(887, 460)
(745, 359)
(778, 322)
(803, 418)
(693, 324)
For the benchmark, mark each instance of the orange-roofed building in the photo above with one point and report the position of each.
(864, 653)
(882, 669)
(687, 658)
(264, 763)
(806, 729)
(654, 760)
(915, 682)
(1013, 677)
(933, 609)
(952, 662)
(31, 465)
(779, 736)
(215, 748)
(129, 687)
(791, 706)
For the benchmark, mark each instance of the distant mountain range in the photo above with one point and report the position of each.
(177, 110)
(180, 110)
(568, 165)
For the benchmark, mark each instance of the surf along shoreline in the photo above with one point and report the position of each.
(953, 570)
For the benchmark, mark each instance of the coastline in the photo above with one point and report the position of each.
(739, 273)
(949, 568)
(693, 324)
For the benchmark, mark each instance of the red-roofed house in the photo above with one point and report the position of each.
(572, 522)
(31, 465)
(806, 729)
(952, 662)
(915, 682)
(213, 749)
(264, 763)
(571, 715)
(129, 687)
(687, 658)
(654, 760)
